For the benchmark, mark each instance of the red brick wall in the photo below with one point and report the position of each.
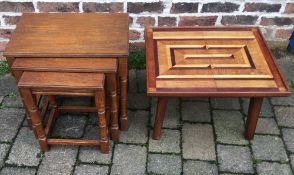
(275, 17)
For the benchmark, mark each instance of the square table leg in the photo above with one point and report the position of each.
(253, 114)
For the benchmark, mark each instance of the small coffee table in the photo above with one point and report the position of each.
(211, 62)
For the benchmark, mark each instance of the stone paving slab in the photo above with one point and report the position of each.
(94, 155)
(137, 132)
(10, 121)
(13, 100)
(229, 127)
(268, 148)
(267, 126)
(169, 142)
(285, 115)
(199, 168)
(141, 81)
(59, 160)
(129, 159)
(164, 164)
(3, 152)
(198, 142)
(91, 170)
(172, 114)
(266, 109)
(196, 111)
(236, 159)
(132, 81)
(69, 126)
(25, 150)
(17, 171)
(7, 85)
(266, 168)
(225, 103)
(138, 101)
(288, 136)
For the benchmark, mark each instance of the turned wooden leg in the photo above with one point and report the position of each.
(253, 114)
(100, 104)
(112, 87)
(123, 66)
(36, 122)
(159, 117)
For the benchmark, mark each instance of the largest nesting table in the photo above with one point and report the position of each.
(211, 62)
(68, 36)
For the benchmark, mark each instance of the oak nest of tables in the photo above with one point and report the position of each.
(211, 62)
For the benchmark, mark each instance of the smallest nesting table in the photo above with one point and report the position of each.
(211, 62)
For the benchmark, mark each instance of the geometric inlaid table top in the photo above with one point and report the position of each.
(207, 61)
(70, 35)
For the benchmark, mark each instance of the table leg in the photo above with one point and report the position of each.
(112, 88)
(100, 104)
(123, 72)
(159, 117)
(32, 109)
(253, 114)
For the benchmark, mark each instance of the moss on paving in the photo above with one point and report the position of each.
(3, 68)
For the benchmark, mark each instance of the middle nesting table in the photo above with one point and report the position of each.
(106, 66)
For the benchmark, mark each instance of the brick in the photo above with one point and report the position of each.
(183, 7)
(6, 33)
(3, 45)
(283, 33)
(58, 6)
(11, 20)
(220, 7)
(139, 7)
(164, 164)
(279, 21)
(199, 168)
(130, 20)
(146, 21)
(262, 7)
(239, 20)
(271, 168)
(137, 46)
(268, 148)
(103, 7)
(134, 35)
(198, 142)
(289, 8)
(129, 159)
(197, 21)
(167, 21)
(236, 159)
(6, 6)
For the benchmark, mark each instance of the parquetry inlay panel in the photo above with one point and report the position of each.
(210, 59)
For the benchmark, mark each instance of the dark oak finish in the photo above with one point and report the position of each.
(211, 62)
(72, 83)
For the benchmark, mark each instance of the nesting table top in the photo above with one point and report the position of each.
(211, 62)
(70, 35)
